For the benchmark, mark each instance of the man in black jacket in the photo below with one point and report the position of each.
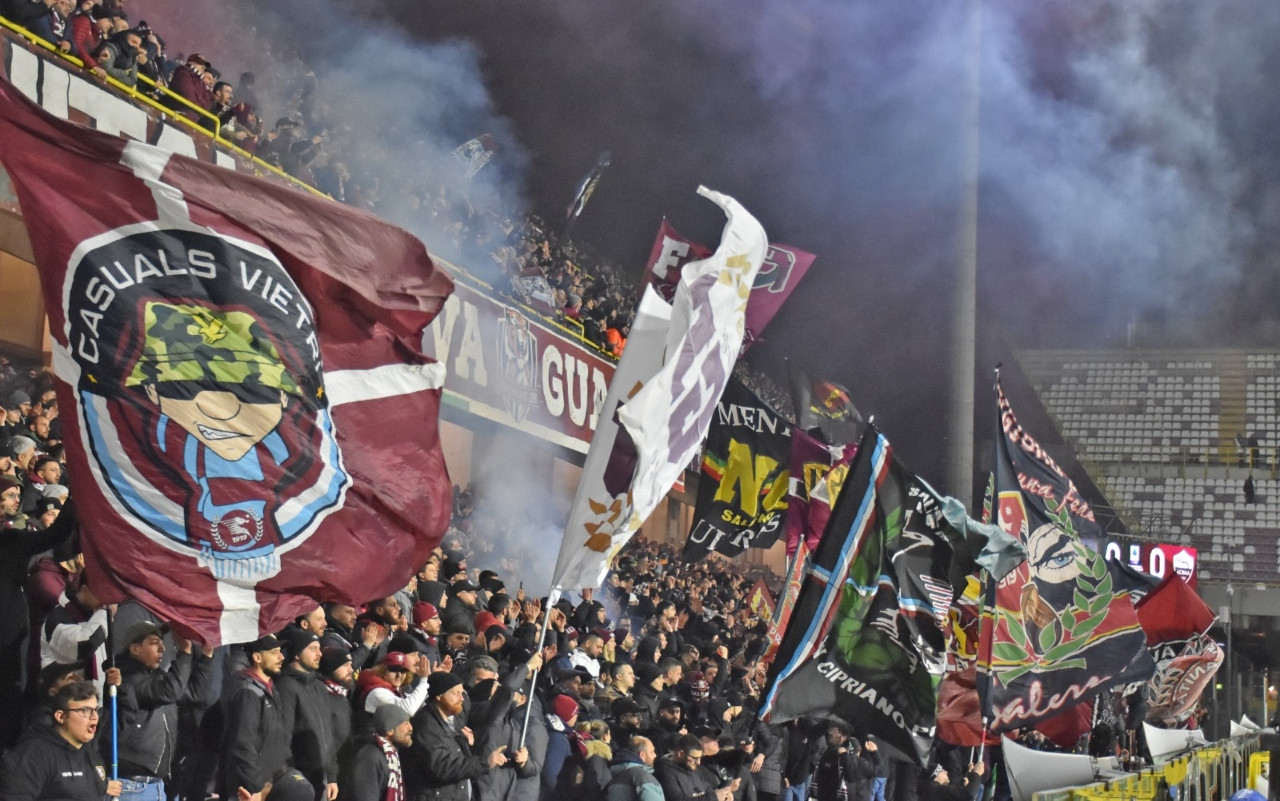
(842, 762)
(306, 712)
(441, 764)
(52, 761)
(376, 766)
(17, 546)
(148, 705)
(679, 775)
(255, 756)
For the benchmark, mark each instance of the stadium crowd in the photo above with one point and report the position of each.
(645, 689)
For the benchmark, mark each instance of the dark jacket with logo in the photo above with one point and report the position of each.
(148, 704)
(256, 747)
(45, 766)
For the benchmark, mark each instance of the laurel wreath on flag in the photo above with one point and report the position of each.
(1056, 647)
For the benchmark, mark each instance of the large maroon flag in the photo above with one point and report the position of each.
(250, 421)
(782, 270)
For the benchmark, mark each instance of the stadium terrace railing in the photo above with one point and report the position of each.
(564, 326)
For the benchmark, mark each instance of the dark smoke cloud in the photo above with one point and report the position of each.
(1128, 156)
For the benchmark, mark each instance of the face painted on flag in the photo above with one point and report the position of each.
(202, 394)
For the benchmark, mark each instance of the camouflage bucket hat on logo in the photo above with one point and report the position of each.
(194, 343)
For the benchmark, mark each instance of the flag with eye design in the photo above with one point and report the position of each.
(1060, 628)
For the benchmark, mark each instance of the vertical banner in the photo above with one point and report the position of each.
(668, 408)
(1063, 627)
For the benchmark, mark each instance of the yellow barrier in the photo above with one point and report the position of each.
(1212, 773)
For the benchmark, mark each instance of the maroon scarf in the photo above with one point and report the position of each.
(395, 781)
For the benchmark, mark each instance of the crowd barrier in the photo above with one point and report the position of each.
(1212, 773)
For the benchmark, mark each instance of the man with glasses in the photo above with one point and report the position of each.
(52, 762)
(679, 775)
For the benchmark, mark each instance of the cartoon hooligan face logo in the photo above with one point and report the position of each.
(202, 393)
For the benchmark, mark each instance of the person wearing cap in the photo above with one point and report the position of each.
(148, 706)
(11, 516)
(256, 746)
(20, 402)
(375, 773)
(188, 82)
(669, 725)
(462, 607)
(393, 682)
(306, 712)
(442, 763)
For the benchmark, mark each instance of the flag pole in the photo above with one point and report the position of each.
(111, 694)
(533, 680)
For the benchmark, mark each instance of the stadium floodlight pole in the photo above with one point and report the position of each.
(552, 597)
(964, 335)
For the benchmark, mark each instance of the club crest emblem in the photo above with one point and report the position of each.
(517, 365)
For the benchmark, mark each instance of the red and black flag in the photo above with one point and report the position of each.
(249, 411)
(1176, 622)
(1060, 627)
(742, 492)
(824, 405)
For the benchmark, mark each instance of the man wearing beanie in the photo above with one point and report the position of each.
(148, 706)
(442, 764)
(426, 628)
(256, 749)
(306, 712)
(338, 677)
(375, 773)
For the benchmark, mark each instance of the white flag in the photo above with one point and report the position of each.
(665, 390)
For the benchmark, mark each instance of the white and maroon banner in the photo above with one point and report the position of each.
(781, 271)
(599, 521)
(517, 371)
(255, 422)
(665, 391)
